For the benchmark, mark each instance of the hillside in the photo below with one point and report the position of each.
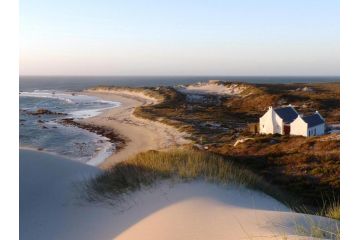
(216, 117)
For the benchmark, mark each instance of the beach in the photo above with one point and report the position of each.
(139, 134)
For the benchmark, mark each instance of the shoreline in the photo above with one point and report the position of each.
(71, 119)
(128, 134)
(108, 133)
(44, 151)
(139, 134)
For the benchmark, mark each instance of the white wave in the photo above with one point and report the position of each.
(68, 97)
(73, 98)
(94, 112)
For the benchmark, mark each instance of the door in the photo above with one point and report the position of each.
(286, 129)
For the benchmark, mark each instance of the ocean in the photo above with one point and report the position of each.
(45, 133)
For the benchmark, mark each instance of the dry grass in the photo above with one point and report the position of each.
(188, 164)
(182, 164)
(308, 168)
(314, 229)
(333, 211)
(320, 228)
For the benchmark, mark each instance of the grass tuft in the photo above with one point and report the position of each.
(333, 211)
(320, 228)
(183, 164)
(187, 164)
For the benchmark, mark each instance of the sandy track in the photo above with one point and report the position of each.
(140, 134)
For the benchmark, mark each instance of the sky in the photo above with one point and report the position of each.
(182, 37)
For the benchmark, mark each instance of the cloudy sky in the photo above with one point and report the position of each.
(182, 37)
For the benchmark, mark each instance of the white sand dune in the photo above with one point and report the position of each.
(51, 208)
(214, 88)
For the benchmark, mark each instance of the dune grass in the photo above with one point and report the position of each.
(147, 168)
(333, 211)
(320, 228)
(179, 164)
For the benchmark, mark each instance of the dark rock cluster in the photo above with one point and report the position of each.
(43, 111)
(102, 131)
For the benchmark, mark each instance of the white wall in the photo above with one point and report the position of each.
(316, 130)
(265, 123)
(299, 127)
(270, 123)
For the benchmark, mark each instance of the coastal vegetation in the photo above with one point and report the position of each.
(177, 164)
(333, 210)
(184, 164)
(307, 168)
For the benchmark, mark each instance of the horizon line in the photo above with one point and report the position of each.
(331, 76)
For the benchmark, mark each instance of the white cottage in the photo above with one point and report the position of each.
(312, 125)
(287, 121)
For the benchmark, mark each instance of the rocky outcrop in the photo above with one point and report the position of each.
(102, 131)
(43, 111)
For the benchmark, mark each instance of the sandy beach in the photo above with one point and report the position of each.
(140, 134)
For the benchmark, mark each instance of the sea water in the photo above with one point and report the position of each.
(46, 133)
